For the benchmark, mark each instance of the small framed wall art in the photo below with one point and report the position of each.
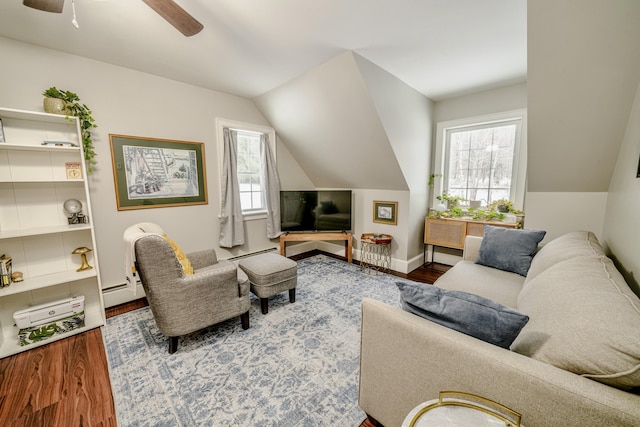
(156, 173)
(385, 212)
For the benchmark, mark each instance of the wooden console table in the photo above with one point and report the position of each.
(451, 232)
(301, 237)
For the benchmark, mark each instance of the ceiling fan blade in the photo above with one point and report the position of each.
(54, 6)
(176, 16)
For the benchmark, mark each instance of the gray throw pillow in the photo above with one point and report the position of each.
(463, 312)
(509, 249)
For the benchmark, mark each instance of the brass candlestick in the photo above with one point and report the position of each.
(83, 255)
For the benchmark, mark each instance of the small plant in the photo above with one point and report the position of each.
(504, 206)
(456, 212)
(454, 201)
(486, 215)
(73, 107)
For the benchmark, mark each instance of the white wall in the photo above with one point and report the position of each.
(513, 97)
(559, 213)
(584, 68)
(621, 229)
(406, 116)
(128, 102)
(330, 125)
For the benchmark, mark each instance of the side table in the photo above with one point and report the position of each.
(375, 255)
(459, 409)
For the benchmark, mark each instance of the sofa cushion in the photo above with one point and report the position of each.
(500, 286)
(567, 246)
(583, 319)
(464, 312)
(509, 249)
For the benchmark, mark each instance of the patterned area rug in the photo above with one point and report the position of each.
(295, 366)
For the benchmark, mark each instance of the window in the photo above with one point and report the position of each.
(249, 163)
(250, 172)
(482, 158)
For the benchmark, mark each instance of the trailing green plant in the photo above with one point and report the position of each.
(73, 107)
(432, 178)
(454, 201)
(486, 215)
(456, 212)
(507, 204)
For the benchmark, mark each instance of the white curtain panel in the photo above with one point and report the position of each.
(231, 221)
(272, 188)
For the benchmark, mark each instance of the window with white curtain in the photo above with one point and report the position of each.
(483, 158)
(249, 163)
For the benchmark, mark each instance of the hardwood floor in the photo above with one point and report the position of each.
(66, 383)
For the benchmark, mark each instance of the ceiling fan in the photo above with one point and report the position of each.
(168, 9)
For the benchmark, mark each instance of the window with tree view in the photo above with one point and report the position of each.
(250, 172)
(480, 160)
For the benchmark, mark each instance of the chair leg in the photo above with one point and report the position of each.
(292, 295)
(264, 305)
(244, 319)
(173, 344)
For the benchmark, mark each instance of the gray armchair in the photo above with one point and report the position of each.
(180, 303)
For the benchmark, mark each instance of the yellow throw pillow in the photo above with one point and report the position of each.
(184, 261)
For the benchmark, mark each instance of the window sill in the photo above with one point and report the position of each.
(252, 216)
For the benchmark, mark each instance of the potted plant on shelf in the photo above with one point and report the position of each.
(73, 107)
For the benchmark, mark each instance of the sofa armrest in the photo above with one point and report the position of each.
(471, 248)
(406, 360)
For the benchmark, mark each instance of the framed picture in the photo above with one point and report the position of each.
(157, 173)
(385, 212)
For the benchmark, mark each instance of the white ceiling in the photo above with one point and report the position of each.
(441, 48)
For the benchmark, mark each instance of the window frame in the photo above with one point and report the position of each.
(518, 184)
(222, 123)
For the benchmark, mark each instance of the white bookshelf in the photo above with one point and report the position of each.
(34, 230)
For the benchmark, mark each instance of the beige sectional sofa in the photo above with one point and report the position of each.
(575, 363)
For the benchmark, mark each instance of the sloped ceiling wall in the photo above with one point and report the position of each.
(622, 234)
(330, 125)
(583, 67)
(406, 116)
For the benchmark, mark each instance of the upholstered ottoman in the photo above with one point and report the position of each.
(269, 275)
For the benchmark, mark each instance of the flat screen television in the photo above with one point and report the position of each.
(315, 210)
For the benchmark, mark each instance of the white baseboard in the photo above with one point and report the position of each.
(120, 295)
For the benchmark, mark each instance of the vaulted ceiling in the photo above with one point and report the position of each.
(248, 47)
(348, 84)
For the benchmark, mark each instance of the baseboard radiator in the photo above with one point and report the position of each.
(264, 251)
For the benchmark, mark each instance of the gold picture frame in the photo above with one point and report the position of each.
(385, 212)
(157, 173)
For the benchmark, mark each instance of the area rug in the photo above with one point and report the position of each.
(296, 366)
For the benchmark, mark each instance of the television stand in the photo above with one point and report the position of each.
(302, 237)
